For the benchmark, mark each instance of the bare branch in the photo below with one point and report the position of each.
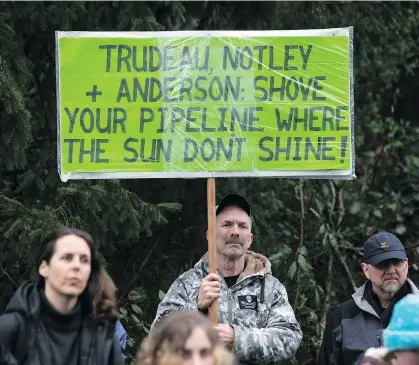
(345, 266)
(332, 203)
(6, 274)
(301, 191)
(300, 195)
(359, 250)
(316, 213)
(341, 205)
(378, 157)
(328, 284)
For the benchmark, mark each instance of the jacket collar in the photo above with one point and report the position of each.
(363, 304)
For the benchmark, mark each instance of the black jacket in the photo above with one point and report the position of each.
(24, 332)
(5, 357)
(356, 325)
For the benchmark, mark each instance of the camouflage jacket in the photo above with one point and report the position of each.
(256, 306)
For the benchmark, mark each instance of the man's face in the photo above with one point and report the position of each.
(387, 277)
(234, 235)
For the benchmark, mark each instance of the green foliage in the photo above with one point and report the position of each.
(149, 231)
(133, 319)
(15, 130)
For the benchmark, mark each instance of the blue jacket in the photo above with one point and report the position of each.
(122, 337)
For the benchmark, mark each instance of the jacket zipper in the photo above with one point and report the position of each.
(379, 341)
(230, 308)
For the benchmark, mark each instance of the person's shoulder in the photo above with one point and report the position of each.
(193, 271)
(12, 326)
(348, 306)
(11, 321)
(189, 277)
(345, 310)
(274, 289)
(274, 282)
(413, 286)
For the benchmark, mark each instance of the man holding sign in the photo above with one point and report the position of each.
(255, 318)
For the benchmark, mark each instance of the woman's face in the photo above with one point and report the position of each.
(198, 349)
(69, 268)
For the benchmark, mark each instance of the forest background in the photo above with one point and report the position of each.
(150, 231)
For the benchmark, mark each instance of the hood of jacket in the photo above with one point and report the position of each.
(255, 264)
(26, 300)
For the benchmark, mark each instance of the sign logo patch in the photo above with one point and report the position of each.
(248, 302)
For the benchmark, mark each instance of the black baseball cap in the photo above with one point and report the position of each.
(383, 246)
(233, 199)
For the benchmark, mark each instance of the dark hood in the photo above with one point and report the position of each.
(26, 299)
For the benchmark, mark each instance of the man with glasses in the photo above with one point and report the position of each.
(356, 325)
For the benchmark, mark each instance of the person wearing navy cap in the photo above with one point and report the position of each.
(400, 338)
(356, 325)
(255, 320)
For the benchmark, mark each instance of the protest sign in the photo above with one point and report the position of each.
(205, 104)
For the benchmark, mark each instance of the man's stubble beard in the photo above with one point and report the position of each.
(391, 289)
(235, 253)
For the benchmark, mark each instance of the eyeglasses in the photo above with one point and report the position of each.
(384, 265)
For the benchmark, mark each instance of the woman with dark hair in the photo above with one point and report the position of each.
(184, 338)
(68, 315)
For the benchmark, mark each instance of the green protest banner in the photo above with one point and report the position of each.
(205, 104)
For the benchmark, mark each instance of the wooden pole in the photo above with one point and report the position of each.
(212, 256)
